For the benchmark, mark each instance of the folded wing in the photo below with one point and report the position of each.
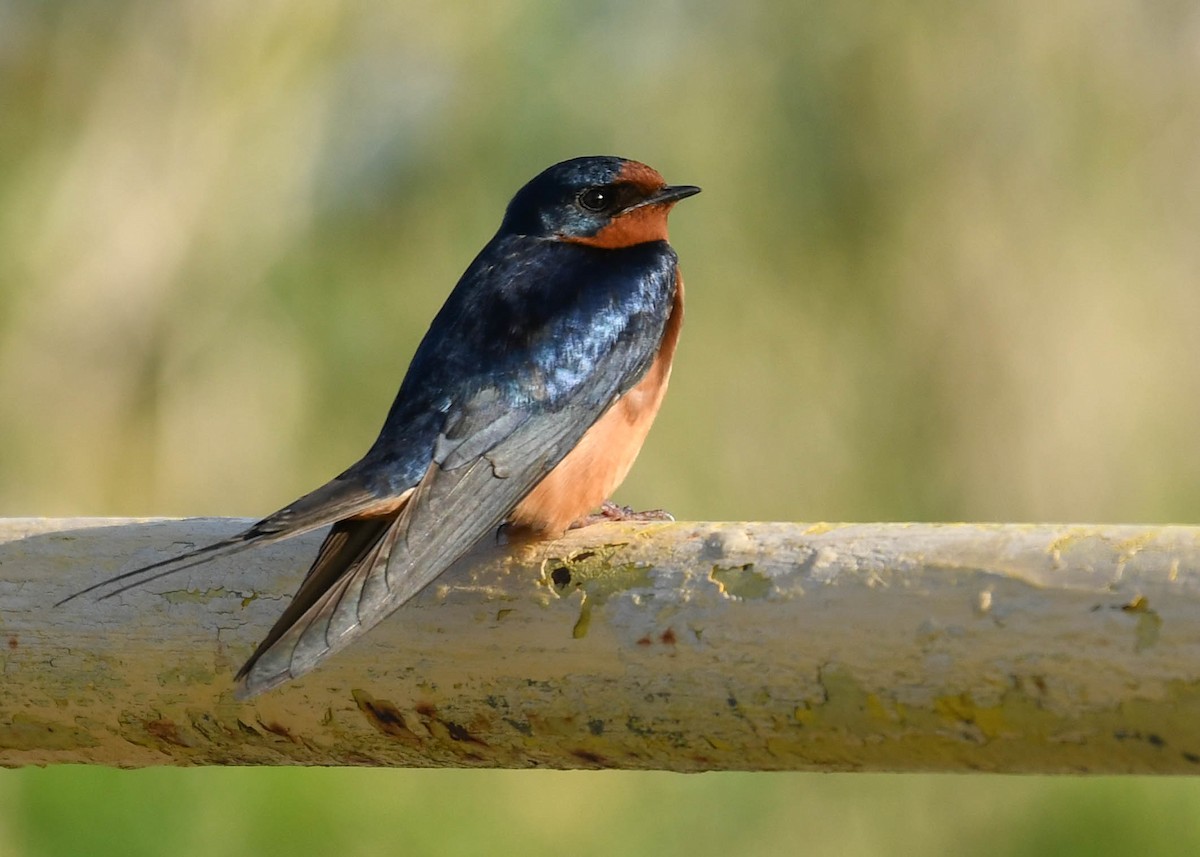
(497, 441)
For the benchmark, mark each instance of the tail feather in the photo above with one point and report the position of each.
(338, 499)
(348, 544)
(238, 543)
(303, 644)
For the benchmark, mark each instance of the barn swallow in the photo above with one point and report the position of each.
(526, 402)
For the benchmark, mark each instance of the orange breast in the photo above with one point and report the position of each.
(602, 458)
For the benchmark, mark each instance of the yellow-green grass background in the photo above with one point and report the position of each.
(946, 267)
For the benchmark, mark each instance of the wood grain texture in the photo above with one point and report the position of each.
(665, 646)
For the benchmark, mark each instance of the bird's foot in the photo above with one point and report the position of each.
(610, 511)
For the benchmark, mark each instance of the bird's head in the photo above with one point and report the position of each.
(601, 201)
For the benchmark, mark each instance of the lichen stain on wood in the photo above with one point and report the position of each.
(596, 571)
(25, 732)
(593, 573)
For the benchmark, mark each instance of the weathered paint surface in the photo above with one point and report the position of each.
(671, 646)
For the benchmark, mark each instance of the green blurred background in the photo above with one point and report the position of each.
(945, 267)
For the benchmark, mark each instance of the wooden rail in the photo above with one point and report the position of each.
(687, 647)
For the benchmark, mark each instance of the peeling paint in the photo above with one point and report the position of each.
(741, 581)
(1149, 623)
(199, 596)
(580, 628)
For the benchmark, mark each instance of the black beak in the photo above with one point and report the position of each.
(672, 193)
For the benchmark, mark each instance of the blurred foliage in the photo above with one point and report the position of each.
(944, 267)
(359, 813)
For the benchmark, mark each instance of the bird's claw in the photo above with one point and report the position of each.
(610, 511)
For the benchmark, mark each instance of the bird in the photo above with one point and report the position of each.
(524, 405)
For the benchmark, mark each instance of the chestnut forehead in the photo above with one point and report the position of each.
(642, 177)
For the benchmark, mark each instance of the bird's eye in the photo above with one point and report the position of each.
(597, 198)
